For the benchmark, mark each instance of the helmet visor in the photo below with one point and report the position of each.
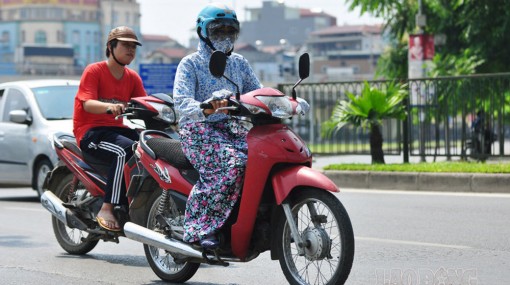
(223, 28)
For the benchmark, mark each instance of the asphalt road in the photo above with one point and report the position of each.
(402, 237)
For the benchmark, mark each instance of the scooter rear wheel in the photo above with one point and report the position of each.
(326, 231)
(71, 240)
(163, 262)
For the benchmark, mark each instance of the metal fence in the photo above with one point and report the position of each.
(441, 112)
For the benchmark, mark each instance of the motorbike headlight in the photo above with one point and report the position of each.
(280, 106)
(165, 112)
(253, 109)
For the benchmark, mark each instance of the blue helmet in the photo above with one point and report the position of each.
(217, 14)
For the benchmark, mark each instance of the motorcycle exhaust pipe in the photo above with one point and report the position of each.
(53, 204)
(152, 238)
(56, 207)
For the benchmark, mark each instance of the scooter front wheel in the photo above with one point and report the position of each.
(326, 232)
(161, 261)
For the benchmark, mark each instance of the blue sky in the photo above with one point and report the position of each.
(176, 18)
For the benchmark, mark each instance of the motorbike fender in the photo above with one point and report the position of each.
(285, 180)
(55, 176)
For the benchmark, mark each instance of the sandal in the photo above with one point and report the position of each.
(104, 224)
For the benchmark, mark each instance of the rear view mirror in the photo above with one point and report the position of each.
(304, 66)
(217, 63)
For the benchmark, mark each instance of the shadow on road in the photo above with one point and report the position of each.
(21, 199)
(128, 260)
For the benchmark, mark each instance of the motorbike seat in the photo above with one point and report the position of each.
(169, 150)
(99, 165)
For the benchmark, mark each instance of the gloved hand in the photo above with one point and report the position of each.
(303, 106)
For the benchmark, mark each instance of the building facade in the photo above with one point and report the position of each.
(275, 23)
(59, 36)
(347, 52)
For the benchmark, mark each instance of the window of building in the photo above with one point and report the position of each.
(76, 37)
(40, 37)
(115, 17)
(6, 38)
(60, 38)
(23, 13)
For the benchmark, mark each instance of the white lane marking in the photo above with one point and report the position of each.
(407, 242)
(427, 193)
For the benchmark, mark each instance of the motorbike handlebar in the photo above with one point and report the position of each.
(232, 106)
(206, 105)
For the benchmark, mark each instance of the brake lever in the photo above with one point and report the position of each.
(123, 115)
(230, 108)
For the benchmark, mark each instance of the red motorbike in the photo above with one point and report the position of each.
(76, 184)
(285, 206)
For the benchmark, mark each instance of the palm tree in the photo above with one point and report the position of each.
(367, 111)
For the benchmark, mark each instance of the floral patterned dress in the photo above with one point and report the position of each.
(215, 145)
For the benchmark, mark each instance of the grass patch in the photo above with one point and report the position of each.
(446, 167)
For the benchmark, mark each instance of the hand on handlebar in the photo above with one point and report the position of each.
(116, 109)
(214, 105)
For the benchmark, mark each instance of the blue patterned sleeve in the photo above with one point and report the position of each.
(250, 80)
(185, 90)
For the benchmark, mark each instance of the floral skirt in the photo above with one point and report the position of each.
(218, 151)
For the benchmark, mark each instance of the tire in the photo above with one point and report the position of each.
(161, 261)
(71, 240)
(40, 171)
(330, 251)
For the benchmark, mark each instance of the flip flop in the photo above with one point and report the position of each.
(103, 223)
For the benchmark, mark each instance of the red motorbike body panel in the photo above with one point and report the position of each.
(268, 145)
(287, 179)
(169, 176)
(88, 179)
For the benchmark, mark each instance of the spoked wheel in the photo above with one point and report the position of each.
(71, 240)
(161, 261)
(326, 231)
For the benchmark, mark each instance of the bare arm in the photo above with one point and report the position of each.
(98, 107)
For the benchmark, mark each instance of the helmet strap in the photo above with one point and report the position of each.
(209, 43)
(115, 58)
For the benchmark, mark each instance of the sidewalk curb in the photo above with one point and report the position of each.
(425, 181)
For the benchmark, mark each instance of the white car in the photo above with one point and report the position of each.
(29, 111)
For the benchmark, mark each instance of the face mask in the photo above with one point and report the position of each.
(225, 44)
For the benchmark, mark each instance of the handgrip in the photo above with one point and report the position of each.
(206, 105)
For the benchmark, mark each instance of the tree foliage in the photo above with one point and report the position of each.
(480, 26)
(367, 111)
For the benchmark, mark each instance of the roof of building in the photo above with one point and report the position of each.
(172, 52)
(348, 29)
(314, 13)
(156, 38)
(244, 47)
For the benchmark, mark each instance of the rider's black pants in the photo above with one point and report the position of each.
(112, 145)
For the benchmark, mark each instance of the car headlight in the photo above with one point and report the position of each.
(165, 112)
(280, 106)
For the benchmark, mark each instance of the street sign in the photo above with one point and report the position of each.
(158, 77)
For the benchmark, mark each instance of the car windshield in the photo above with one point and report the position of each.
(56, 102)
